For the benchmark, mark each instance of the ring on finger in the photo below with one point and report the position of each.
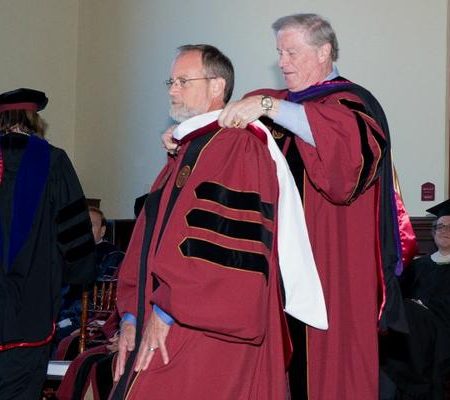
(152, 348)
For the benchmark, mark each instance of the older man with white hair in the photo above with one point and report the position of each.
(335, 138)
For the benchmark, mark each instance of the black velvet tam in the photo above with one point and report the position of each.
(440, 209)
(23, 99)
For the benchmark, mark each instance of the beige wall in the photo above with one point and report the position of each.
(103, 62)
(38, 47)
(395, 48)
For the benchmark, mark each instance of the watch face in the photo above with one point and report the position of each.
(266, 103)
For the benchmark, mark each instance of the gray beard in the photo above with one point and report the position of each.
(181, 114)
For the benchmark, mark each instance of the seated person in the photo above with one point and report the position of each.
(108, 256)
(89, 374)
(418, 363)
(108, 259)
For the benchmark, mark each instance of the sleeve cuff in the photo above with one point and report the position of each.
(128, 318)
(293, 117)
(163, 315)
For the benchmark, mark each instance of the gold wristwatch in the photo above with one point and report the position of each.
(266, 104)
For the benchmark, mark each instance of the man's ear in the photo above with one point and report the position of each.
(218, 87)
(324, 52)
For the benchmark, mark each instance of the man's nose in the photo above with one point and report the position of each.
(282, 60)
(174, 88)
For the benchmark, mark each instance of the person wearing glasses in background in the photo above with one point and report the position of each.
(199, 287)
(418, 364)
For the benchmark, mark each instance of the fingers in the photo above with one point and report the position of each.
(153, 341)
(230, 117)
(239, 114)
(144, 357)
(167, 141)
(120, 365)
(164, 353)
(128, 334)
(125, 344)
(150, 353)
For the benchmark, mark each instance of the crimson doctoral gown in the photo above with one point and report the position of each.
(339, 182)
(212, 265)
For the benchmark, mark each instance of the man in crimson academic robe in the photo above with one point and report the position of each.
(199, 288)
(335, 138)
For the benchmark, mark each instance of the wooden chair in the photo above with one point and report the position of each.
(100, 302)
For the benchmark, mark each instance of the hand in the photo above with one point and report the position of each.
(238, 114)
(167, 141)
(126, 343)
(154, 337)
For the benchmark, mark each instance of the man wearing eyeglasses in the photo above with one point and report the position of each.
(419, 363)
(199, 288)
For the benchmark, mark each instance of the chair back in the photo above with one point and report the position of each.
(100, 300)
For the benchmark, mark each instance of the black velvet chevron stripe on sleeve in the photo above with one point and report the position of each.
(245, 201)
(365, 130)
(74, 231)
(77, 253)
(71, 210)
(229, 227)
(354, 105)
(226, 257)
(366, 154)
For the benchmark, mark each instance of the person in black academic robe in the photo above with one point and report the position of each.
(419, 363)
(107, 262)
(45, 239)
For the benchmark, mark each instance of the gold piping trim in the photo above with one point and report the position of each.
(130, 387)
(203, 149)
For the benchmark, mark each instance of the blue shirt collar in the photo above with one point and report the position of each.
(333, 74)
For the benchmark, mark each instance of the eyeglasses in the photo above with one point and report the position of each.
(441, 228)
(181, 82)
